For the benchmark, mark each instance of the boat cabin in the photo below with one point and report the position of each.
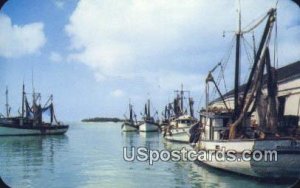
(215, 126)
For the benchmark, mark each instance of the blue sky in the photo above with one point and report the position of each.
(95, 55)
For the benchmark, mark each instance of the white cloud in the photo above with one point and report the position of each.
(131, 39)
(117, 93)
(56, 57)
(16, 41)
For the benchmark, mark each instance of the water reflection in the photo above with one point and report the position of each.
(151, 140)
(201, 175)
(130, 138)
(28, 155)
(92, 156)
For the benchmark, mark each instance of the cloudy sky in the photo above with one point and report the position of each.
(95, 55)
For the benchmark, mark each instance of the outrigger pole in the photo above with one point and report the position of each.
(210, 78)
(267, 31)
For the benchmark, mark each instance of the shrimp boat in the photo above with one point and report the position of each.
(228, 130)
(149, 124)
(179, 125)
(30, 121)
(130, 124)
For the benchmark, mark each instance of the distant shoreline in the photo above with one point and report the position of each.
(103, 119)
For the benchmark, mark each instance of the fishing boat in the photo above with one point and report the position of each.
(30, 121)
(224, 130)
(179, 125)
(148, 124)
(130, 124)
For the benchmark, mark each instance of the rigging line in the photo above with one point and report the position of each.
(223, 76)
(224, 82)
(248, 43)
(254, 20)
(245, 30)
(249, 59)
(224, 62)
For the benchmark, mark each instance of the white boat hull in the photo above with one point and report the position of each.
(128, 128)
(180, 135)
(148, 127)
(286, 166)
(11, 131)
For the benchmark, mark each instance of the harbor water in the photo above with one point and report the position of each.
(91, 155)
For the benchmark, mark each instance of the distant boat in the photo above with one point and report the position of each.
(178, 126)
(148, 124)
(233, 131)
(130, 124)
(30, 121)
(178, 130)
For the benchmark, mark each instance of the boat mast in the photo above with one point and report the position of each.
(181, 98)
(23, 100)
(130, 112)
(148, 115)
(191, 104)
(52, 108)
(7, 105)
(237, 66)
(166, 112)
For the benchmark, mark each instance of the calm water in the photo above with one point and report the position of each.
(91, 155)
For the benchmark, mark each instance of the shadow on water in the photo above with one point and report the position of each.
(28, 154)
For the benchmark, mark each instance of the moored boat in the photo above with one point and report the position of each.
(149, 124)
(242, 143)
(178, 128)
(130, 124)
(31, 122)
